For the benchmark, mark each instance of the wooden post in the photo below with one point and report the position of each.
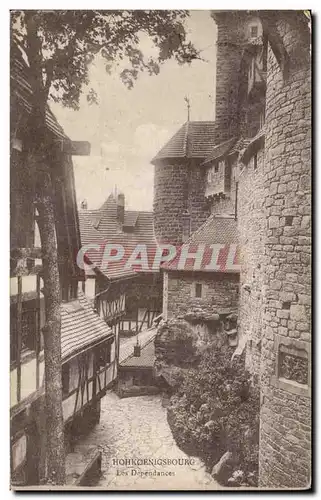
(19, 337)
(38, 333)
(118, 348)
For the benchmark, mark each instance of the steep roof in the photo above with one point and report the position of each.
(101, 227)
(221, 150)
(193, 140)
(215, 231)
(146, 358)
(21, 91)
(81, 327)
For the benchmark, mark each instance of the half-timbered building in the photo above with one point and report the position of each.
(126, 290)
(88, 345)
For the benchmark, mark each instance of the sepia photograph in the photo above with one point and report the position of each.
(160, 250)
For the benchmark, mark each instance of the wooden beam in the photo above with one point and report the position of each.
(275, 40)
(38, 334)
(76, 148)
(24, 253)
(21, 269)
(19, 337)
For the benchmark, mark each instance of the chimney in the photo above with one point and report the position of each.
(186, 225)
(84, 205)
(137, 349)
(120, 208)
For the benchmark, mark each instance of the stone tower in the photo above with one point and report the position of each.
(285, 439)
(230, 35)
(179, 182)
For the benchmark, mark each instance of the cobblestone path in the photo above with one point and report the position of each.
(137, 428)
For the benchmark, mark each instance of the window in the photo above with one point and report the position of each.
(198, 290)
(28, 331)
(254, 31)
(216, 168)
(65, 376)
(103, 355)
(28, 327)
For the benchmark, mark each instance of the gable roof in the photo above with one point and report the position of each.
(101, 227)
(81, 327)
(193, 140)
(215, 231)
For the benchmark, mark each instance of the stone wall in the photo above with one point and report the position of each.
(251, 231)
(219, 291)
(170, 194)
(178, 187)
(285, 436)
(197, 205)
(225, 205)
(228, 64)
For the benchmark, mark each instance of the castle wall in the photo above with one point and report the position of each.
(228, 61)
(226, 205)
(178, 187)
(170, 190)
(219, 290)
(251, 231)
(285, 436)
(197, 205)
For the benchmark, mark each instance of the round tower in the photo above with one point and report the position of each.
(285, 423)
(169, 201)
(230, 35)
(179, 182)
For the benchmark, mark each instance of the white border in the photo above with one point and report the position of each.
(4, 198)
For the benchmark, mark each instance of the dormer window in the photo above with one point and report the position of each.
(253, 28)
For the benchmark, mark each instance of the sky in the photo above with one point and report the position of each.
(129, 127)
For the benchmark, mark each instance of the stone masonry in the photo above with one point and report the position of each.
(285, 437)
(219, 291)
(170, 181)
(271, 188)
(228, 60)
(178, 187)
(251, 229)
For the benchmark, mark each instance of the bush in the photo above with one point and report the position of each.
(216, 409)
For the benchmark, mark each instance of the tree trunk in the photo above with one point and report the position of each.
(55, 449)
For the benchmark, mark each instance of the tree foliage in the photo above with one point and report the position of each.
(216, 409)
(58, 47)
(61, 44)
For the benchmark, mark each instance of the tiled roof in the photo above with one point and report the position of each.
(146, 358)
(192, 140)
(215, 231)
(130, 219)
(239, 146)
(253, 145)
(221, 150)
(80, 327)
(101, 227)
(22, 91)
